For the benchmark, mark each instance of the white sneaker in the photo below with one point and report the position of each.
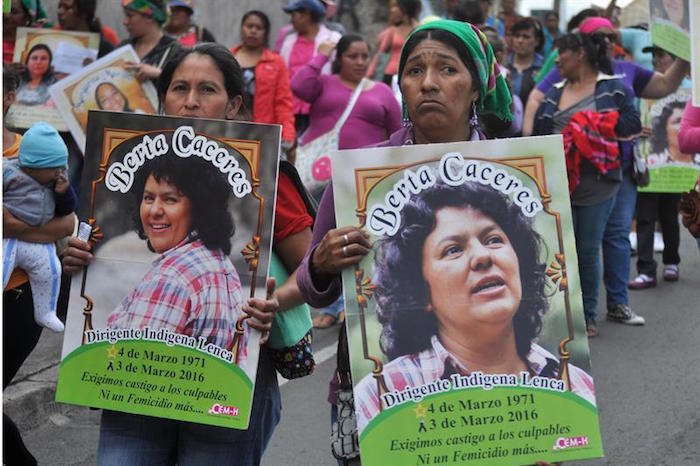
(633, 240)
(658, 242)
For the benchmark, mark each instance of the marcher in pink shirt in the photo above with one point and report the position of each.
(689, 134)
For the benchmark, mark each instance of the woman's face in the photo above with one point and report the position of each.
(38, 63)
(609, 37)
(675, 10)
(437, 88)
(568, 62)
(136, 24)
(109, 98)
(68, 15)
(673, 125)
(395, 13)
(197, 90)
(253, 32)
(354, 62)
(471, 269)
(165, 214)
(179, 18)
(14, 19)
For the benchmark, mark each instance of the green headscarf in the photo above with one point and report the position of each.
(494, 95)
(155, 10)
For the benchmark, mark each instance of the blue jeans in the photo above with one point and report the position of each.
(334, 308)
(616, 242)
(143, 440)
(589, 225)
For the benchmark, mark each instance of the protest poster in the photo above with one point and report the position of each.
(670, 26)
(670, 170)
(473, 249)
(48, 56)
(695, 49)
(184, 209)
(103, 85)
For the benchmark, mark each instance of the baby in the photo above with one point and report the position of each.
(35, 189)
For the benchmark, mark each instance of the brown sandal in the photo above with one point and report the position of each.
(324, 321)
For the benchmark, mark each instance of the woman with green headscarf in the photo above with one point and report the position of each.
(23, 13)
(449, 78)
(143, 20)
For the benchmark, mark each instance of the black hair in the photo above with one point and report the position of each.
(659, 139)
(594, 48)
(531, 23)
(343, 45)
(551, 13)
(203, 185)
(410, 8)
(48, 76)
(107, 83)
(222, 57)
(263, 18)
(87, 9)
(398, 268)
(10, 79)
(469, 11)
(578, 18)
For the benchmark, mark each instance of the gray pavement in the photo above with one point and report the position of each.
(647, 381)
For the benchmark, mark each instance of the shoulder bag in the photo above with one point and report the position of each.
(313, 161)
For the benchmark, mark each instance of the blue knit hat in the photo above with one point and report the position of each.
(42, 147)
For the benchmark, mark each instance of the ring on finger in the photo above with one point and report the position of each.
(347, 240)
(345, 251)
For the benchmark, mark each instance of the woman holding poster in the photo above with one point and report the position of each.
(447, 74)
(207, 82)
(474, 260)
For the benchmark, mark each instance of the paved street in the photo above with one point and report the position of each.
(647, 381)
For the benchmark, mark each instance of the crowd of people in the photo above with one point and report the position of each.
(475, 74)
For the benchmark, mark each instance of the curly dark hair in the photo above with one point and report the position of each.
(659, 139)
(398, 259)
(204, 186)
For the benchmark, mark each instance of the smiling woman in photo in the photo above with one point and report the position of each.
(474, 265)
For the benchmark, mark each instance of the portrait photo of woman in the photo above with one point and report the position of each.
(37, 78)
(476, 269)
(192, 288)
(674, 11)
(109, 97)
(664, 137)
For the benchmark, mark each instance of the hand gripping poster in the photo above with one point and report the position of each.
(182, 212)
(465, 321)
(670, 26)
(670, 170)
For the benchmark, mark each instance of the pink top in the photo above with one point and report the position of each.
(689, 134)
(375, 116)
(397, 40)
(302, 53)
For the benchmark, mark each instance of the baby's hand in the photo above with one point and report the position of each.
(62, 183)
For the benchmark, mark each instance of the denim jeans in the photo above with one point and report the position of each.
(589, 225)
(616, 242)
(149, 441)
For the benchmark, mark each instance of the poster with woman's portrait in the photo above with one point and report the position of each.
(465, 321)
(103, 85)
(695, 49)
(46, 56)
(182, 211)
(670, 26)
(670, 170)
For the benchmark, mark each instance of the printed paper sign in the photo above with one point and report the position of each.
(183, 212)
(695, 46)
(43, 52)
(670, 170)
(465, 320)
(103, 85)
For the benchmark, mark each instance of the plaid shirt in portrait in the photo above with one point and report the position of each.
(430, 365)
(190, 290)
